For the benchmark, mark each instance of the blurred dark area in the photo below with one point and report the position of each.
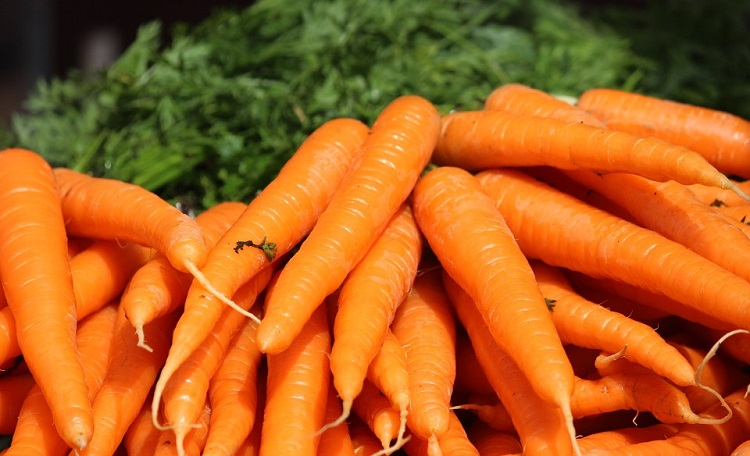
(46, 38)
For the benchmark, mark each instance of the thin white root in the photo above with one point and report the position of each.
(568, 415)
(604, 361)
(142, 339)
(347, 409)
(220, 296)
(433, 446)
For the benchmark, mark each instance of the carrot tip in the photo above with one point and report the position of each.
(738, 191)
(201, 278)
(142, 339)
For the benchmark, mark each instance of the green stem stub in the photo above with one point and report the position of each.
(269, 248)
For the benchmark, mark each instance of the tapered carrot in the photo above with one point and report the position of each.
(194, 441)
(389, 372)
(541, 426)
(36, 433)
(374, 408)
(392, 157)
(233, 392)
(335, 441)
(298, 382)
(454, 442)
(13, 391)
(585, 324)
(364, 441)
(723, 138)
(375, 288)
(37, 283)
(99, 274)
(425, 326)
(587, 240)
(517, 98)
(477, 140)
(158, 288)
(473, 243)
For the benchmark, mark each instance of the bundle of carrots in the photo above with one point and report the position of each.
(537, 278)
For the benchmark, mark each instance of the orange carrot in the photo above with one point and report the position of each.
(13, 391)
(372, 407)
(493, 414)
(491, 441)
(392, 157)
(37, 283)
(626, 436)
(364, 441)
(454, 442)
(470, 377)
(721, 137)
(158, 288)
(587, 240)
(388, 371)
(425, 326)
(141, 436)
(335, 441)
(375, 288)
(742, 449)
(36, 433)
(298, 382)
(473, 243)
(517, 98)
(194, 441)
(542, 428)
(716, 196)
(477, 140)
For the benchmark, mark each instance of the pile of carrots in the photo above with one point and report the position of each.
(536, 277)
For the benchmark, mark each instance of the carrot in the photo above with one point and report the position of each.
(141, 436)
(425, 326)
(585, 324)
(374, 408)
(392, 157)
(363, 440)
(194, 441)
(517, 98)
(233, 393)
(454, 442)
(36, 433)
(723, 138)
(491, 441)
(99, 274)
(335, 441)
(128, 382)
(470, 378)
(616, 302)
(742, 449)
(493, 414)
(542, 427)
(473, 243)
(477, 140)
(626, 436)
(375, 288)
(13, 391)
(716, 196)
(37, 283)
(298, 382)
(587, 240)
(157, 288)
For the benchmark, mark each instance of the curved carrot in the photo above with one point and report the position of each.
(157, 288)
(425, 326)
(477, 140)
(373, 289)
(36, 433)
(587, 240)
(13, 391)
(723, 138)
(36, 279)
(517, 98)
(391, 160)
(473, 243)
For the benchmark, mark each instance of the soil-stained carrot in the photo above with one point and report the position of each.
(721, 137)
(335, 441)
(473, 243)
(517, 98)
(398, 148)
(37, 283)
(13, 391)
(374, 288)
(586, 324)
(454, 442)
(588, 240)
(425, 326)
(542, 427)
(298, 383)
(477, 140)
(158, 288)
(36, 433)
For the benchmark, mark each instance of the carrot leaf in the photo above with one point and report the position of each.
(269, 248)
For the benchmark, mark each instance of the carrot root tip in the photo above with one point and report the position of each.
(142, 339)
(205, 283)
(347, 408)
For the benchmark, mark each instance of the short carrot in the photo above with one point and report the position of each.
(398, 148)
(470, 237)
(37, 283)
(517, 98)
(477, 140)
(375, 288)
(723, 138)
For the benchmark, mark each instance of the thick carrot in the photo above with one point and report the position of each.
(233, 393)
(374, 408)
(454, 442)
(392, 157)
(721, 137)
(99, 274)
(586, 324)
(473, 243)
(477, 140)
(298, 382)
(426, 328)
(596, 243)
(517, 98)
(37, 283)
(13, 391)
(375, 288)
(542, 428)
(335, 441)
(36, 433)
(157, 288)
